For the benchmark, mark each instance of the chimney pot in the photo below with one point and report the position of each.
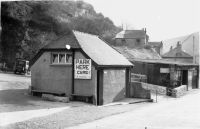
(171, 48)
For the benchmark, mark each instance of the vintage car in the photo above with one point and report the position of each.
(21, 66)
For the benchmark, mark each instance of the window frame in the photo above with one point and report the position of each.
(61, 63)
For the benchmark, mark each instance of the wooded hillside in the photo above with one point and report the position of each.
(28, 26)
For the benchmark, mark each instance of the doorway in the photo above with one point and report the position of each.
(185, 78)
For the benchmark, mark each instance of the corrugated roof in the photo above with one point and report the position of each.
(139, 53)
(99, 51)
(163, 61)
(131, 34)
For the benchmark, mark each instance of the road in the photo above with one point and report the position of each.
(168, 113)
(180, 113)
(17, 106)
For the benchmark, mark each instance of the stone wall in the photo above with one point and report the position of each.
(155, 88)
(179, 91)
(137, 91)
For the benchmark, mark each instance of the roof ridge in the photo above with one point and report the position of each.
(84, 33)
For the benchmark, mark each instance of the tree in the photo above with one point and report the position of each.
(29, 25)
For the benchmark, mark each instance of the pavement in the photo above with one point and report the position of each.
(128, 101)
(175, 113)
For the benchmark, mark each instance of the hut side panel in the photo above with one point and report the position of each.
(51, 78)
(85, 86)
(114, 85)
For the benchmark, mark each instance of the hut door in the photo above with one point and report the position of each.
(99, 87)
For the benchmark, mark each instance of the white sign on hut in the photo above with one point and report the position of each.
(82, 69)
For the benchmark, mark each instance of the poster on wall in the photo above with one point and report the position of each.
(164, 70)
(82, 69)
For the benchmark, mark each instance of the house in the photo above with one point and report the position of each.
(158, 46)
(81, 65)
(147, 62)
(189, 43)
(178, 54)
(131, 38)
(161, 72)
(171, 74)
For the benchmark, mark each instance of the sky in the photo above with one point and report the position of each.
(163, 19)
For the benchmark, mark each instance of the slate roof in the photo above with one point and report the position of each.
(186, 41)
(62, 41)
(131, 34)
(99, 51)
(174, 53)
(140, 53)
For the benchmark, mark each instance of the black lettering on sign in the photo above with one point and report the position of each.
(77, 61)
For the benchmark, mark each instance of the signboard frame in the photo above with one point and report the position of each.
(82, 69)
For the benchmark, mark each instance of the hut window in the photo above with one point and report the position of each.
(68, 58)
(54, 58)
(61, 58)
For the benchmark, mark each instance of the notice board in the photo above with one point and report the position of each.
(82, 68)
(164, 70)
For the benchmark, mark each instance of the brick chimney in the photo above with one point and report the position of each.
(171, 48)
(179, 47)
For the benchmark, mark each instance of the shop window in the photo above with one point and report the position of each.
(61, 58)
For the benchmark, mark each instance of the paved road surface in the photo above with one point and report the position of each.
(181, 113)
(7, 118)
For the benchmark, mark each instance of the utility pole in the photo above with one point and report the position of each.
(194, 60)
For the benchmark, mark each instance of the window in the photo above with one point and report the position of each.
(123, 41)
(55, 58)
(61, 58)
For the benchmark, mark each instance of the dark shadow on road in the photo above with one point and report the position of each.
(19, 100)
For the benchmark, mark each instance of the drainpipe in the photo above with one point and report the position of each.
(73, 71)
(194, 60)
